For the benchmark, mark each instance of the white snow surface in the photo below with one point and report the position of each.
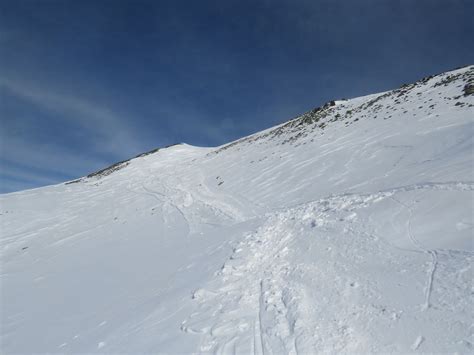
(351, 231)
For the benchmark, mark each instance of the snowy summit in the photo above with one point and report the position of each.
(347, 229)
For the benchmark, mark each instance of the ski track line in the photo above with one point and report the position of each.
(431, 252)
(260, 325)
(161, 204)
(168, 200)
(207, 200)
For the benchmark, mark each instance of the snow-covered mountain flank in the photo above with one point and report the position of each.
(347, 229)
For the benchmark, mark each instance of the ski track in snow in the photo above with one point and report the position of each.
(432, 253)
(258, 278)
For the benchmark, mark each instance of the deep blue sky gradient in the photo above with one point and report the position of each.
(86, 83)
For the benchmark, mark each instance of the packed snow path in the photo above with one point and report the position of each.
(348, 229)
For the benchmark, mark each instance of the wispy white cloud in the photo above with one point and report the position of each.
(46, 159)
(106, 132)
(19, 174)
(116, 136)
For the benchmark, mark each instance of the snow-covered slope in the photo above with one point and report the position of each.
(348, 229)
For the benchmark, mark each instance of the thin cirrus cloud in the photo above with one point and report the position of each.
(43, 160)
(107, 137)
(115, 134)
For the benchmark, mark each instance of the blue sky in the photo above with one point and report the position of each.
(84, 83)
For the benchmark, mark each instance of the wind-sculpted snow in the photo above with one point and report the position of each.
(348, 229)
